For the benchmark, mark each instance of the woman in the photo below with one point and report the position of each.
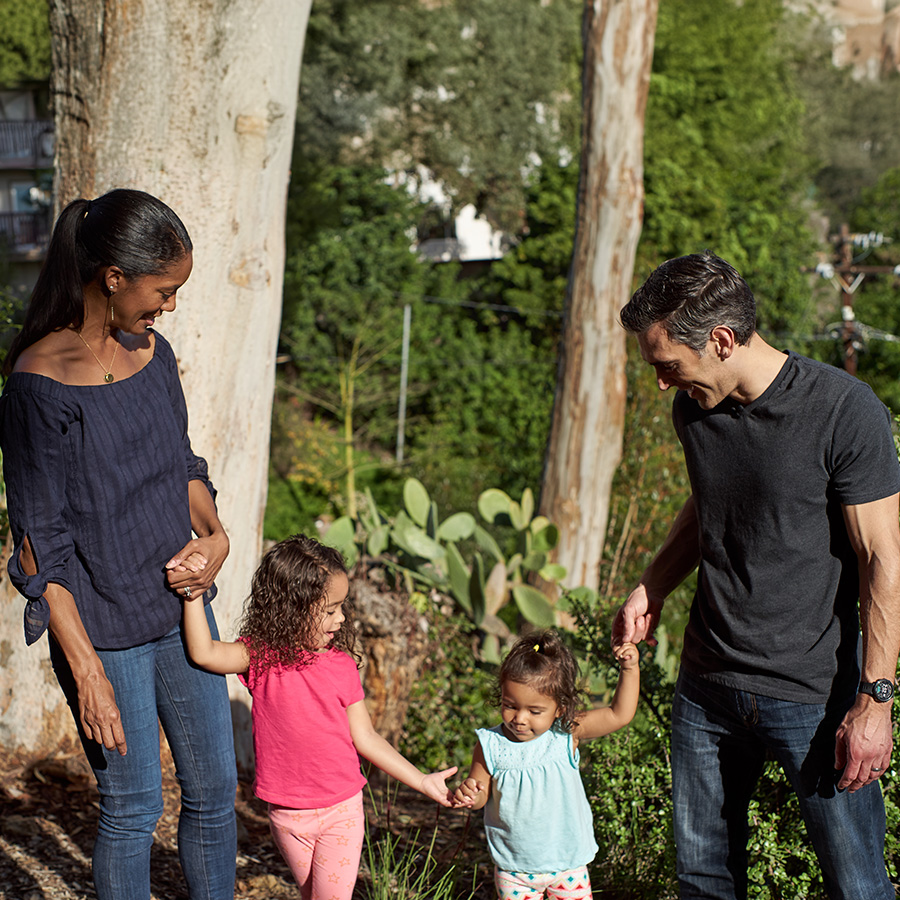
(103, 493)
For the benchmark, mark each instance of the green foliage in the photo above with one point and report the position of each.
(724, 161)
(725, 168)
(853, 124)
(345, 275)
(24, 42)
(428, 553)
(877, 301)
(485, 418)
(781, 859)
(533, 274)
(306, 471)
(471, 90)
(628, 781)
(481, 379)
(452, 696)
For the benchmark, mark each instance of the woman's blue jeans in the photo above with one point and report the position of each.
(720, 737)
(155, 683)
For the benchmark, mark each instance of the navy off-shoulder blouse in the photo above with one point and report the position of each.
(97, 480)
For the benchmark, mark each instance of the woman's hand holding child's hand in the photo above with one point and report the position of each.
(627, 656)
(433, 786)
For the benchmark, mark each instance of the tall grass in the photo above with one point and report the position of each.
(411, 871)
(409, 867)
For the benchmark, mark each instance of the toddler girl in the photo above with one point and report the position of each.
(538, 821)
(296, 656)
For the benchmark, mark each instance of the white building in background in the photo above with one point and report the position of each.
(469, 237)
(866, 33)
(474, 240)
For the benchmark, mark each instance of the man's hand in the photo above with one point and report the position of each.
(637, 618)
(863, 743)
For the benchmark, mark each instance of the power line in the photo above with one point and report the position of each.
(472, 304)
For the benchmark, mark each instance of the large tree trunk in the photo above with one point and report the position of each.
(193, 101)
(586, 435)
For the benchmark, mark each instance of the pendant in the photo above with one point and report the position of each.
(108, 378)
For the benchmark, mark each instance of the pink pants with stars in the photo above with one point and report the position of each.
(574, 884)
(321, 846)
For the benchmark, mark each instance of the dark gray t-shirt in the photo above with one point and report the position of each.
(775, 611)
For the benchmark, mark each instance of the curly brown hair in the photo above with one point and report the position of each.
(286, 603)
(543, 662)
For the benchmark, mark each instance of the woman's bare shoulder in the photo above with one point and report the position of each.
(51, 356)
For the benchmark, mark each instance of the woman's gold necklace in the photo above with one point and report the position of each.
(108, 376)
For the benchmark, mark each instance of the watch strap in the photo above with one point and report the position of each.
(883, 689)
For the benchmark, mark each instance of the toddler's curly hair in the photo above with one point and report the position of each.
(543, 662)
(286, 603)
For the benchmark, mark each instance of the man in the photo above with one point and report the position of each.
(793, 520)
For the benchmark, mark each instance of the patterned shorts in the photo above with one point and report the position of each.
(575, 884)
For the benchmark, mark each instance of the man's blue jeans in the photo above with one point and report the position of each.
(155, 682)
(720, 737)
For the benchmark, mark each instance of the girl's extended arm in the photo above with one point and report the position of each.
(594, 723)
(476, 789)
(373, 747)
(221, 657)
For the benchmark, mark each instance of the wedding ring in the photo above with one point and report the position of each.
(187, 592)
(875, 770)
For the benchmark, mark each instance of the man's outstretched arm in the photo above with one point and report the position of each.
(679, 555)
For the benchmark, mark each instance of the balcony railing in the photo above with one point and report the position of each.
(439, 249)
(26, 144)
(24, 231)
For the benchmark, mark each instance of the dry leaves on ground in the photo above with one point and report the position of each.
(48, 816)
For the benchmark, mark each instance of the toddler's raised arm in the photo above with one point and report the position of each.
(594, 723)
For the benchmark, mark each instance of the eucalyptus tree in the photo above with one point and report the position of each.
(195, 103)
(585, 442)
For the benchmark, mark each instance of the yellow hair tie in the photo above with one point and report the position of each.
(537, 647)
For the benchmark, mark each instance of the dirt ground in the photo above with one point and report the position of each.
(48, 814)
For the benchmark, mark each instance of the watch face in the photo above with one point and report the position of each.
(883, 690)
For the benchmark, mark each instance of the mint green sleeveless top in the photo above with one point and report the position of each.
(537, 819)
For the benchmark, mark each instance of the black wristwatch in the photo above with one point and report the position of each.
(882, 690)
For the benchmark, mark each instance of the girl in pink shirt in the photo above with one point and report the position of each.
(296, 655)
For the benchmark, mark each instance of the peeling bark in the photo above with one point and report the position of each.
(585, 442)
(394, 637)
(193, 101)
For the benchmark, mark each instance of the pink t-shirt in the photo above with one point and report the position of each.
(305, 758)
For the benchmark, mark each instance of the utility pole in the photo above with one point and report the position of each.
(848, 276)
(404, 375)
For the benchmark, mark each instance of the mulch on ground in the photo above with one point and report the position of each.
(48, 816)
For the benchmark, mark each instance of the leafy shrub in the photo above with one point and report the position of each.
(451, 698)
(628, 780)
(307, 469)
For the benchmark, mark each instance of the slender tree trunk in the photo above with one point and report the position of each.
(193, 101)
(585, 443)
